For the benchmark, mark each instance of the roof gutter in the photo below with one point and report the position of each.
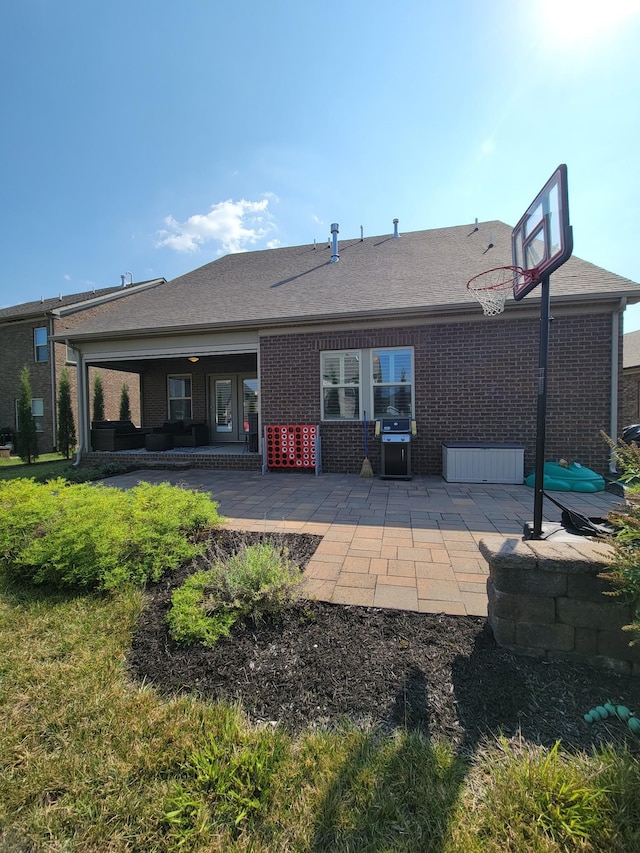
(108, 297)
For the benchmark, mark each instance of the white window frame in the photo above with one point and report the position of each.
(393, 382)
(170, 399)
(37, 412)
(343, 387)
(40, 348)
(367, 388)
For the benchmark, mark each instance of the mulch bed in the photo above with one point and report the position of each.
(323, 665)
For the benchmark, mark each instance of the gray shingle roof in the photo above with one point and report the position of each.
(43, 306)
(423, 271)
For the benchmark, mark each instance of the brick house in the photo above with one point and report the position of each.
(322, 334)
(27, 337)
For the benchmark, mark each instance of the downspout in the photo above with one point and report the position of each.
(54, 402)
(615, 380)
(83, 408)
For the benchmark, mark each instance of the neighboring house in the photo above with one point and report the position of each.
(27, 335)
(322, 334)
(631, 379)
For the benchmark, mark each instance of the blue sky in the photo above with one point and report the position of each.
(150, 137)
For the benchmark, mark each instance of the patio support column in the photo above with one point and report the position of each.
(83, 406)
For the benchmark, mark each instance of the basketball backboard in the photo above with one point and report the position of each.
(543, 240)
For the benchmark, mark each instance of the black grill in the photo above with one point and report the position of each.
(395, 462)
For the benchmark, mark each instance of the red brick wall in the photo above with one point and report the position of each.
(474, 381)
(16, 346)
(630, 398)
(16, 349)
(154, 382)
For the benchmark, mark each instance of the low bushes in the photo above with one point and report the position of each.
(97, 537)
(256, 580)
(624, 572)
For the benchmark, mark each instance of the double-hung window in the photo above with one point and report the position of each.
(41, 344)
(341, 382)
(379, 382)
(37, 411)
(179, 397)
(392, 372)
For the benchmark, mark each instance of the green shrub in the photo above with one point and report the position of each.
(188, 622)
(66, 425)
(91, 536)
(256, 580)
(96, 472)
(624, 572)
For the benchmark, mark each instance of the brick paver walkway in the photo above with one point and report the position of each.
(411, 545)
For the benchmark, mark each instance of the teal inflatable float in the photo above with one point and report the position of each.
(568, 478)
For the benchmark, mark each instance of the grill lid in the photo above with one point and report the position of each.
(392, 425)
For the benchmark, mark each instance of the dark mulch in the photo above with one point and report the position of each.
(320, 664)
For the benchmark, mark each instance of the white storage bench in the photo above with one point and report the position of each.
(482, 462)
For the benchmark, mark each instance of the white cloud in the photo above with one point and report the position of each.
(67, 277)
(234, 225)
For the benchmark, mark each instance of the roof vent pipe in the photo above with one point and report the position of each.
(395, 227)
(335, 257)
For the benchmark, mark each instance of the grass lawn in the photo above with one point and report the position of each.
(47, 467)
(90, 761)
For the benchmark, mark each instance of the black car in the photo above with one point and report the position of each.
(631, 433)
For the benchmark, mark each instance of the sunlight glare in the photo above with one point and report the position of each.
(579, 20)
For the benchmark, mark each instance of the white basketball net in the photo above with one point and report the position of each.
(492, 287)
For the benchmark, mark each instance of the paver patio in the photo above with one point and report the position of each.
(410, 545)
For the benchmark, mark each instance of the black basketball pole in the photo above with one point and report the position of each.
(543, 359)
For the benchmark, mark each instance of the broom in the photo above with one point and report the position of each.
(366, 470)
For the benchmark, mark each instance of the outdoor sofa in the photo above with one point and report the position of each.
(186, 433)
(117, 435)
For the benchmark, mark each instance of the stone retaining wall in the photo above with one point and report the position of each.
(547, 600)
(165, 459)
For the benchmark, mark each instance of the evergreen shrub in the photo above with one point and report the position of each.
(98, 537)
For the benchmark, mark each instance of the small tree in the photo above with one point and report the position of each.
(125, 406)
(98, 398)
(27, 437)
(66, 425)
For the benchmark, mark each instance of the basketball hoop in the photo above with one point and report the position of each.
(492, 287)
